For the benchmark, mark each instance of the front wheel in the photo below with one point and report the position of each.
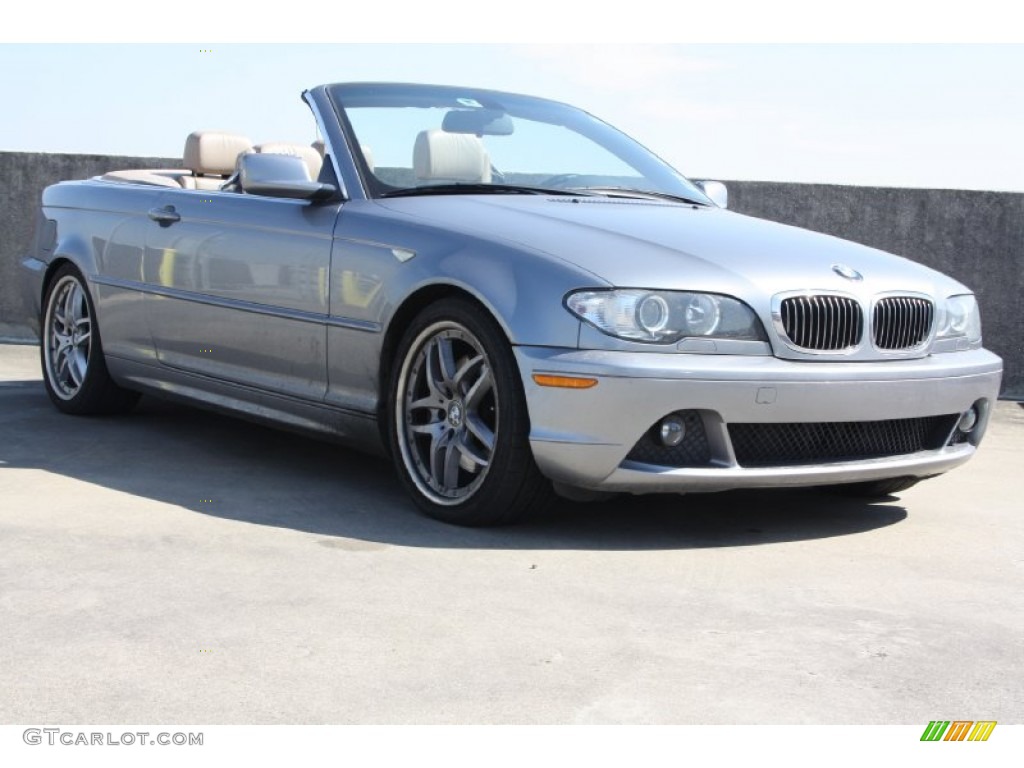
(458, 424)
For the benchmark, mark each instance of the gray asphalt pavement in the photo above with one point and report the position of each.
(174, 566)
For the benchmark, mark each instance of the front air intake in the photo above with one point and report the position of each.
(780, 445)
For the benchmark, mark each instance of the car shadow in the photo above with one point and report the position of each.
(221, 466)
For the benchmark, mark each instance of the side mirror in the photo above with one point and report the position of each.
(716, 190)
(280, 176)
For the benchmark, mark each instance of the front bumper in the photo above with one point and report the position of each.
(582, 437)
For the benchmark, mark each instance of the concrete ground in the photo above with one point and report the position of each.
(173, 566)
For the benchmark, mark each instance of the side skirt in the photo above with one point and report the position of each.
(352, 428)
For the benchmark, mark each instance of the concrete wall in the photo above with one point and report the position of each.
(977, 237)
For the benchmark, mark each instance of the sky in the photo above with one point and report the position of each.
(892, 114)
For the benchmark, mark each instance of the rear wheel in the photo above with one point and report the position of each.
(74, 371)
(458, 424)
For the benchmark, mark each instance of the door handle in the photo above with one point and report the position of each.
(164, 216)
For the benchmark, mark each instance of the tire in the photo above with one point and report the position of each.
(71, 353)
(457, 420)
(874, 489)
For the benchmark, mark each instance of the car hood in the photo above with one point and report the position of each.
(651, 244)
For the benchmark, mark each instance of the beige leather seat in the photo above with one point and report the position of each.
(453, 157)
(313, 159)
(211, 156)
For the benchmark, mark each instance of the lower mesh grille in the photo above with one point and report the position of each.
(693, 451)
(779, 445)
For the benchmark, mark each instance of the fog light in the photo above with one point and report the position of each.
(968, 421)
(673, 430)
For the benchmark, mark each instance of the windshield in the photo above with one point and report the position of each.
(420, 139)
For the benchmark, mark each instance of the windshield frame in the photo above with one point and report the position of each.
(343, 96)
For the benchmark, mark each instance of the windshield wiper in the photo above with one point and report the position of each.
(477, 189)
(642, 194)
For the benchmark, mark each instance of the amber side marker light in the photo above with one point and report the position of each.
(565, 382)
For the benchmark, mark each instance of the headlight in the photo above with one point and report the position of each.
(665, 316)
(959, 317)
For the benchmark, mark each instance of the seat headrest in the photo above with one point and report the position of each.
(214, 152)
(438, 155)
(313, 159)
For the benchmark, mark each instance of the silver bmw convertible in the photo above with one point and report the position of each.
(510, 298)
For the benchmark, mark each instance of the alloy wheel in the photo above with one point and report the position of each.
(67, 337)
(447, 411)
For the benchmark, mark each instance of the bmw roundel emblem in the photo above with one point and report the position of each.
(848, 272)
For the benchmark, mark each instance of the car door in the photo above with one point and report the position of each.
(238, 288)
